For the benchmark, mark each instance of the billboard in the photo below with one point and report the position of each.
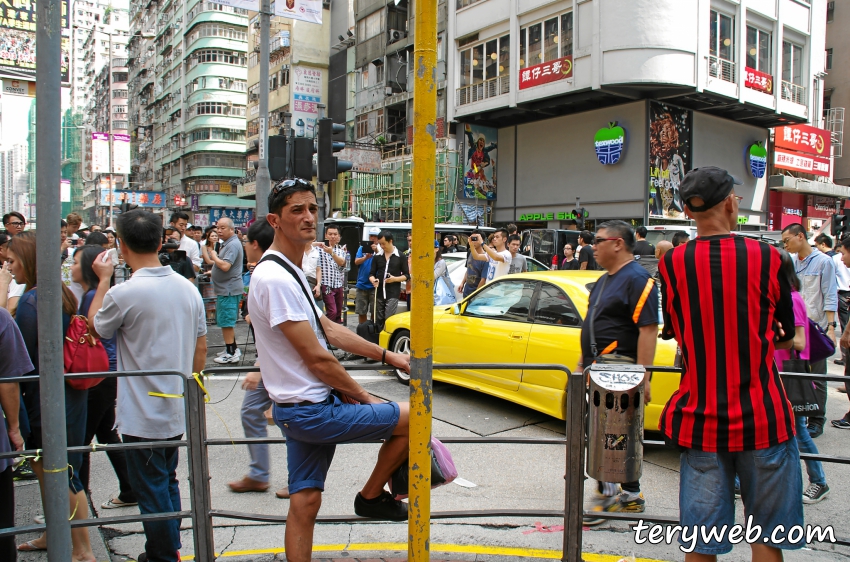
(479, 163)
(546, 72)
(303, 10)
(17, 40)
(818, 165)
(804, 138)
(240, 217)
(307, 85)
(100, 153)
(669, 158)
(120, 154)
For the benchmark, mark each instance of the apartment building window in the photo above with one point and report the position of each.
(216, 108)
(485, 61)
(370, 26)
(119, 93)
(722, 36)
(217, 30)
(546, 41)
(215, 134)
(759, 47)
(215, 55)
(792, 63)
(218, 160)
(253, 128)
(362, 125)
(793, 89)
(120, 76)
(379, 122)
(828, 62)
(830, 12)
(379, 74)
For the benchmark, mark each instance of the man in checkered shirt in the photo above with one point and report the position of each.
(332, 265)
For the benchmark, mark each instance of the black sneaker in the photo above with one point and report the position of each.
(143, 557)
(839, 362)
(383, 507)
(815, 430)
(843, 423)
(815, 493)
(23, 472)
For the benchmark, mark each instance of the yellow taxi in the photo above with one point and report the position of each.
(522, 318)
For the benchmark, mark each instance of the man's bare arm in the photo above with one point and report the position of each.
(647, 338)
(200, 358)
(344, 338)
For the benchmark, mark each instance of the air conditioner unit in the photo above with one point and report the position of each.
(255, 97)
(389, 91)
(395, 35)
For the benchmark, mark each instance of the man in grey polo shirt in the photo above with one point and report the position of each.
(147, 340)
(226, 276)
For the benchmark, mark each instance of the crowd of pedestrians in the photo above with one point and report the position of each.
(295, 303)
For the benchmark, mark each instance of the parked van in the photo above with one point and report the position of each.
(547, 244)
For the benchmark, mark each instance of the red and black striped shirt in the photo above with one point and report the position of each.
(721, 297)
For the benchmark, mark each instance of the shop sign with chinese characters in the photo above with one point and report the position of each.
(756, 80)
(817, 165)
(240, 217)
(546, 72)
(804, 138)
(140, 198)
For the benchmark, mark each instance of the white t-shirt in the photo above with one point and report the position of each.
(275, 298)
(192, 249)
(149, 340)
(76, 288)
(499, 268)
(310, 262)
(15, 290)
(842, 274)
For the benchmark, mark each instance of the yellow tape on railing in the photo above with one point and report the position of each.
(197, 378)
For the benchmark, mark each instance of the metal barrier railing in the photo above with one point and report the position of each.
(201, 512)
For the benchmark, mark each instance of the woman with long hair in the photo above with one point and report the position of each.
(210, 243)
(22, 261)
(100, 417)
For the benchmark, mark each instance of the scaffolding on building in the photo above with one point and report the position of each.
(387, 196)
(835, 125)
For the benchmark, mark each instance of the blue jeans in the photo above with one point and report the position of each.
(771, 490)
(813, 468)
(153, 476)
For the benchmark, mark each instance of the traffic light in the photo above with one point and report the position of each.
(840, 226)
(329, 166)
(304, 149)
(277, 157)
(579, 214)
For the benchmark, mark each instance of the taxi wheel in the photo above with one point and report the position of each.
(401, 344)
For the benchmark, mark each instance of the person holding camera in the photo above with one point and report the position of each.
(332, 269)
(389, 270)
(173, 256)
(498, 256)
(365, 289)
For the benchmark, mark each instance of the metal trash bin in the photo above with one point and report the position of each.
(615, 412)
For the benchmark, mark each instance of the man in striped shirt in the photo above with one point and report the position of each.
(725, 303)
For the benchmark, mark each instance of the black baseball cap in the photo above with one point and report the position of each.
(709, 183)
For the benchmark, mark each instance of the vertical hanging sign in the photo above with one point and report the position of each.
(100, 153)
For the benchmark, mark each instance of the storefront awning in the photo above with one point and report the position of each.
(218, 200)
(801, 185)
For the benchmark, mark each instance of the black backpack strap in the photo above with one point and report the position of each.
(281, 262)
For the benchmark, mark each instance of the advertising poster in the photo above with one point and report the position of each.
(120, 154)
(100, 153)
(240, 217)
(307, 85)
(804, 138)
(65, 191)
(17, 40)
(303, 10)
(669, 158)
(253, 5)
(479, 163)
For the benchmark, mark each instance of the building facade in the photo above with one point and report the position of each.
(187, 110)
(14, 180)
(607, 104)
(837, 83)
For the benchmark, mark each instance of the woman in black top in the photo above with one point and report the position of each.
(569, 261)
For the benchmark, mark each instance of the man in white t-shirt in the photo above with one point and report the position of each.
(179, 220)
(147, 340)
(299, 373)
(498, 255)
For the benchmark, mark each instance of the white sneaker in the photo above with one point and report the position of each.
(228, 358)
(220, 353)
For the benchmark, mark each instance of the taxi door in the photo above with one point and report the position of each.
(492, 327)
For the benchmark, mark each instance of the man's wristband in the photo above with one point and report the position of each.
(384, 357)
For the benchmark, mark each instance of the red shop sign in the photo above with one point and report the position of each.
(756, 80)
(546, 72)
(804, 138)
(801, 163)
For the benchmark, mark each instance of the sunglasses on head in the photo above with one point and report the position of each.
(289, 185)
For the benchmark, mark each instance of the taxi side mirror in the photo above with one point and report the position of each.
(456, 310)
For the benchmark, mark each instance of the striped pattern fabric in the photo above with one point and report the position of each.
(721, 297)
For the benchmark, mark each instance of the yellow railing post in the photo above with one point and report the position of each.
(422, 321)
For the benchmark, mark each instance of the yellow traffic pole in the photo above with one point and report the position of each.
(422, 317)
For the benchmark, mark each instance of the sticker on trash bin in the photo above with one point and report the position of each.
(616, 441)
(617, 377)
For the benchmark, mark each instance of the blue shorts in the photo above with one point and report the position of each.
(771, 490)
(227, 310)
(313, 431)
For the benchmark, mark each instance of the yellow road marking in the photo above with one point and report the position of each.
(437, 547)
